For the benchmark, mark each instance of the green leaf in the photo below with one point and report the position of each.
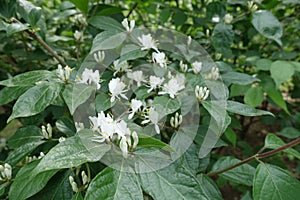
(241, 175)
(28, 183)
(237, 90)
(21, 152)
(165, 105)
(267, 25)
(273, 183)
(289, 132)
(35, 100)
(231, 136)
(222, 38)
(25, 135)
(108, 40)
(179, 18)
(82, 5)
(131, 52)
(73, 152)
(210, 189)
(281, 71)
(164, 15)
(77, 196)
(122, 186)
(238, 78)
(34, 16)
(58, 187)
(28, 78)
(149, 142)
(176, 182)
(76, 94)
(9, 94)
(254, 96)
(15, 28)
(66, 126)
(274, 142)
(263, 64)
(106, 23)
(103, 102)
(242, 109)
(276, 96)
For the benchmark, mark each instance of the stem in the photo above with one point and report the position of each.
(131, 10)
(43, 43)
(258, 155)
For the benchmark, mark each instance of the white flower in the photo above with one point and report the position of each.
(84, 178)
(196, 67)
(252, 6)
(79, 126)
(148, 42)
(89, 77)
(201, 93)
(173, 86)
(183, 67)
(99, 56)
(135, 106)
(135, 139)
(6, 171)
(124, 146)
(214, 74)
(176, 121)
(189, 40)
(215, 19)
(78, 35)
(64, 74)
(228, 18)
(61, 139)
(121, 67)
(136, 76)
(126, 26)
(155, 82)
(116, 88)
(159, 58)
(153, 118)
(73, 184)
(121, 129)
(47, 133)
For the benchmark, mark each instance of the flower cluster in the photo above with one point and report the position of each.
(90, 77)
(6, 172)
(64, 74)
(110, 130)
(47, 132)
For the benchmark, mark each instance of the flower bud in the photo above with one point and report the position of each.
(201, 93)
(49, 130)
(135, 139)
(99, 56)
(124, 146)
(84, 177)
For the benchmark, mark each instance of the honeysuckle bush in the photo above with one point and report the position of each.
(139, 100)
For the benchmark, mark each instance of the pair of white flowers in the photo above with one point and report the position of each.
(6, 172)
(111, 130)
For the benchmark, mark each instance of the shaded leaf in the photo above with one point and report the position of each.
(238, 78)
(242, 109)
(254, 96)
(82, 5)
(281, 71)
(9, 94)
(106, 23)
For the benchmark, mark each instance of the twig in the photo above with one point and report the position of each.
(256, 156)
(131, 10)
(43, 43)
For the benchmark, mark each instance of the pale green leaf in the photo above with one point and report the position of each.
(242, 109)
(281, 71)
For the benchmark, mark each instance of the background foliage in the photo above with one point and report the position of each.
(257, 52)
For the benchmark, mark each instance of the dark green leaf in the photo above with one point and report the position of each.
(242, 109)
(76, 94)
(58, 187)
(21, 152)
(267, 25)
(106, 23)
(28, 183)
(34, 16)
(254, 96)
(231, 136)
(25, 135)
(179, 18)
(28, 78)
(149, 142)
(82, 5)
(9, 94)
(242, 174)
(272, 183)
(222, 38)
(290, 132)
(122, 186)
(66, 126)
(73, 152)
(35, 100)
(263, 64)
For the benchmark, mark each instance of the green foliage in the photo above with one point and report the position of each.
(49, 135)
